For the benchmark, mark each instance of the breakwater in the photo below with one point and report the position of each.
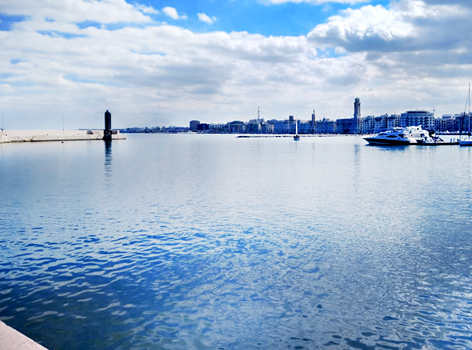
(7, 136)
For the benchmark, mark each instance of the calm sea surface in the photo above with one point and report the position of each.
(215, 242)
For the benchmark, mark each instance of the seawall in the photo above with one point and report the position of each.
(7, 136)
(11, 339)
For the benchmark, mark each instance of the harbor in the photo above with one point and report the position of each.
(204, 242)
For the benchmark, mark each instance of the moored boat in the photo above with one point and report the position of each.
(399, 136)
(395, 136)
(296, 137)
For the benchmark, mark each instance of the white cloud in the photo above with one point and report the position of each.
(147, 9)
(406, 25)
(363, 27)
(172, 13)
(205, 18)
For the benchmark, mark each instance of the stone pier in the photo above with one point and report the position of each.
(11, 339)
(7, 136)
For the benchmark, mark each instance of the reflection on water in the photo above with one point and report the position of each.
(108, 162)
(206, 241)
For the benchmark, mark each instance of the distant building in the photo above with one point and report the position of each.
(313, 122)
(254, 126)
(194, 125)
(419, 117)
(345, 126)
(446, 123)
(463, 123)
(236, 127)
(393, 121)
(203, 127)
(326, 126)
(283, 126)
(368, 124)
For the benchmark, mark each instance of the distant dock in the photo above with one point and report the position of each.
(8, 136)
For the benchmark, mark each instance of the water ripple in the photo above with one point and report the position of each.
(339, 247)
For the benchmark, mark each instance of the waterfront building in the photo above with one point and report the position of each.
(285, 126)
(194, 125)
(445, 123)
(462, 122)
(393, 121)
(418, 117)
(368, 124)
(254, 126)
(352, 125)
(236, 127)
(380, 123)
(305, 127)
(267, 128)
(203, 127)
(217, 128)
(345, 126)
(326, 126)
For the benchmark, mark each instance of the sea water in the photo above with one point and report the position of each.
(217, 242)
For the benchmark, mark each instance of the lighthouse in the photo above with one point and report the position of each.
(107, 132)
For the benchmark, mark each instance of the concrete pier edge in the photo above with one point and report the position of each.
(8, 136)
(11, 339)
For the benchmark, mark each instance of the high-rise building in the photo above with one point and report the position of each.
(313, 122)
(357, 116)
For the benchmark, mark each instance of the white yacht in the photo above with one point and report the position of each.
(399, 136)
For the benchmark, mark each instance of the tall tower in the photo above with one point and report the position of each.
(107, 132)
(313, 121)
(357, 115)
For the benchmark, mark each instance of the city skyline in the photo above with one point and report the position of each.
(156, 62)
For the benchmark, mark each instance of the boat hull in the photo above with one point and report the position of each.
(384, 142)
(465, 142)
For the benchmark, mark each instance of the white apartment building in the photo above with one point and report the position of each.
(414, 118)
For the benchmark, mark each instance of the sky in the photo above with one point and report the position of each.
(166, 62)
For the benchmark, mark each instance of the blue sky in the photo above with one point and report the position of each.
(252, 16)
(155, 63)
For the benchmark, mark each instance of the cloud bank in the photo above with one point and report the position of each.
(80, 58)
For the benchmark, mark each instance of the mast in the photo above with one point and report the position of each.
(467, 103)
(468, 115)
